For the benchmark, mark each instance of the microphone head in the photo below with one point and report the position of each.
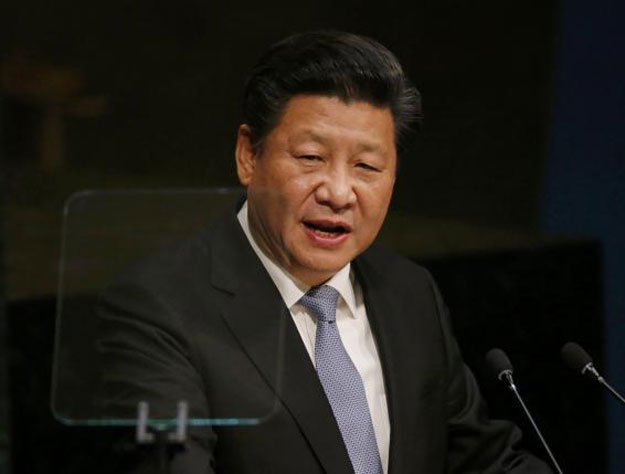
(574, 356)
(498, 362)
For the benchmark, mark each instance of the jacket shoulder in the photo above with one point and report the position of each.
(393, 268)
(177, 262)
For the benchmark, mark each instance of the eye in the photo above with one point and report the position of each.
(366, 166)
(309, 157)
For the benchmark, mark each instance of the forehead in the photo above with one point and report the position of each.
(328, 119)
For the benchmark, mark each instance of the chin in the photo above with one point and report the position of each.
(323, 264)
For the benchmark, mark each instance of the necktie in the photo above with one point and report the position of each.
(342, 383)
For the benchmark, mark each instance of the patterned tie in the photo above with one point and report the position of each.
(342, 383)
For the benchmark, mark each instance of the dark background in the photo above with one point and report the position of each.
(523, 138)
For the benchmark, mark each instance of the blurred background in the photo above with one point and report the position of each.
(513, 196)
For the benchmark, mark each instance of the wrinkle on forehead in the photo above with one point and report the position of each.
(329, 124)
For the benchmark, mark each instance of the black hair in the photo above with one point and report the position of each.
(330, 63)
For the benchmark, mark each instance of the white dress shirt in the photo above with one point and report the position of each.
(353, 326)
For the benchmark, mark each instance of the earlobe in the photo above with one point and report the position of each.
(245, 155)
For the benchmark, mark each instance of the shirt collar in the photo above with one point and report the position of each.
(290, 288)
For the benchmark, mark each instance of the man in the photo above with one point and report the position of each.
(370, 380)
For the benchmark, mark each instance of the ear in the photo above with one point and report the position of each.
(244, 154)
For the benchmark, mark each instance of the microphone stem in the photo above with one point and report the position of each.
(612, 390)
(512, 387)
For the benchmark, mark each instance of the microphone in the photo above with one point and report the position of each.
(578, 359)
(501, 367)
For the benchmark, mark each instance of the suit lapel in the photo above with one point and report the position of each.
(401, 357)
(263, 326)
(380, 320)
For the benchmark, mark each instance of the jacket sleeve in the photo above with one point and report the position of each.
(143, 356)
(477, 443)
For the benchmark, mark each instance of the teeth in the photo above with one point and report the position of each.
(325, 233)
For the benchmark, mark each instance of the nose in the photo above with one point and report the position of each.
(336, 190)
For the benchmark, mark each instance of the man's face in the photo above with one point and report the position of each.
(319, 188)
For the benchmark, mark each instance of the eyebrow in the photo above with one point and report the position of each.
(314, 136)
(308, 134)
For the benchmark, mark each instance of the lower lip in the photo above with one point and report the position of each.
(329, 241)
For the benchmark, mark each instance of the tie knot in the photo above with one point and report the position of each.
(321, 300)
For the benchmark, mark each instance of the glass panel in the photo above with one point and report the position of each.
(154, 305)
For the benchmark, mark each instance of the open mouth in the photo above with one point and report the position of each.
(327, 229)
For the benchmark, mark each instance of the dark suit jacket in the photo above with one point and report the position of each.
(204, 322)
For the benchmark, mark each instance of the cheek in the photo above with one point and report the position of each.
(289, 205)
(374, 200)
(299, 195)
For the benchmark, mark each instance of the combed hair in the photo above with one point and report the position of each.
(329, 63)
